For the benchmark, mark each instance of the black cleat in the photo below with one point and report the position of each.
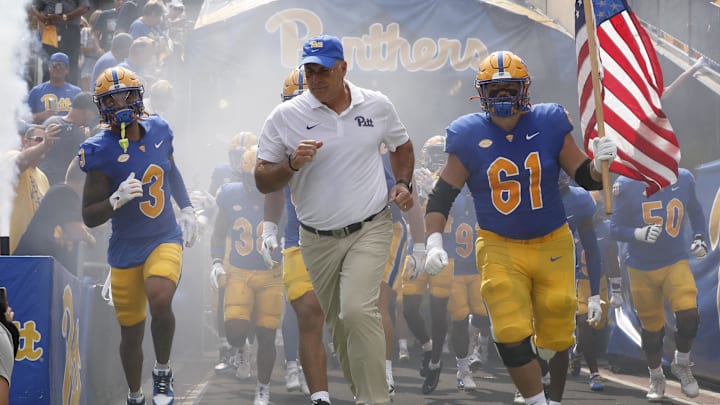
(425, 363)
(431, 379)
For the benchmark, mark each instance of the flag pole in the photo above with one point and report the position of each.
(597, 95)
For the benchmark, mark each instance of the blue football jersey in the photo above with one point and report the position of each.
(244, 206)
(461, 233)
(668, 207)
(144, 222)
(514, 174)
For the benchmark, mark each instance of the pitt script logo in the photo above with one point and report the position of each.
(364, 122)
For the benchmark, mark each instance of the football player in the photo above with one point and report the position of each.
(300, 293)
(658, 269)
(131, 176)
(253, 292)
(510, 155)
(415, 284)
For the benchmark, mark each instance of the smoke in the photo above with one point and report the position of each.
(17, 39)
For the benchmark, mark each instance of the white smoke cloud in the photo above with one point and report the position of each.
(17, 40)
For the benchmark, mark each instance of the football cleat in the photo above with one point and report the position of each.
(403, 354)
(596, 382)
(425, 363)
(656, 391)
(688, 383)
(465, 381)
(292, 379)
(136, 401)
(262, 396)
(432, 378)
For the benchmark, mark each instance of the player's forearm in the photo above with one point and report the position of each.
(414, 217)
(592, 259)
(98, 213)
(271, 177)
(434, 222)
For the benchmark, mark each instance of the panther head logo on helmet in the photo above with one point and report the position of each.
(503, 84)
(119, 96)
(294, 84)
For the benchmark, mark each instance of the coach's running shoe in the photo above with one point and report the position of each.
(425, 362)
(262, 395)
(596, 382)
(391, 386)
(688, 383)
(432, 378)
(136, 401)
(163, 387)
(656, 392)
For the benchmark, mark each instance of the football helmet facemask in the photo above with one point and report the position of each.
(294, 84)
(119, 96)
(503, 67)
(433, 156)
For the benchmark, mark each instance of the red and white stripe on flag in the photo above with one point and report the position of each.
(632, 85)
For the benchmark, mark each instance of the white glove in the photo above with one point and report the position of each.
(218, 277)
(594, 309)
(202, 200)
(698, 247)
(616, 297)
(127, 190)
(649, 233)
(269, 242)
(604, 149)
(106, 292)
(188, 225)
(416, 262)
(437, 257)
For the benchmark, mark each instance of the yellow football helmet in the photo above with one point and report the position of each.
(432, 154)
(294, 84)
(503, 67)
(239, 144)
(119, 96)
(247, 166)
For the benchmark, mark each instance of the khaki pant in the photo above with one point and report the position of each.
(346, 274)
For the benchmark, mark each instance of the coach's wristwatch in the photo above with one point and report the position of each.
(407, 184)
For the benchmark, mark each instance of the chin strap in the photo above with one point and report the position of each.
(124, 143)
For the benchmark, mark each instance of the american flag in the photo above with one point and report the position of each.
(632, 85)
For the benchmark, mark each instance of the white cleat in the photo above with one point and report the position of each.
(465, 381)
(656, 392)
(519, 399)
(403, 354)
(242, 364)
(262, 396)
(688, 383)
(292, 379)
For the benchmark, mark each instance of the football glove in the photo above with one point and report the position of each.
(218, 277)
(437, 257)
(416, 262)
(698, 247)
(269, 242)
(188, 225)
(616, 297)
(106, 292)
(649, 233)
(594, 310)
(127, 190)
(604, 149)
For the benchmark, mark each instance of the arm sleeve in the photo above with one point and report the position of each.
(588, 238)
(177, 185)
(618, 230)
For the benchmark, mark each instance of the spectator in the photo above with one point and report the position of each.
(31, 182)
(61, 207)
(106, 25)
(54, 96)
(90, 50)
(65, 16)
(127, 13)
(118, 52)
(9, 341)
(151, 22)
(142, 61)
(75, 127)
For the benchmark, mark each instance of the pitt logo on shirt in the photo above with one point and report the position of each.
(364, 122)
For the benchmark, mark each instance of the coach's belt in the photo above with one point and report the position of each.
(344, 231)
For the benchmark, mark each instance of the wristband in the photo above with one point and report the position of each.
(290, 163)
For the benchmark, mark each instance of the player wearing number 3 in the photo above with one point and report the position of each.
(131, 176)
(510, 156)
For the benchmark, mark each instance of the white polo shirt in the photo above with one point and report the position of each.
(345, 182)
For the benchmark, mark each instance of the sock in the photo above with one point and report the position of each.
(656, 371)
(427, 346)
(434, 366)
(681, 358)
(402, 343)
(162, 366)
(553, 402)
(537, 399)
(290, 365)
(320, 395)
(136, 395)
